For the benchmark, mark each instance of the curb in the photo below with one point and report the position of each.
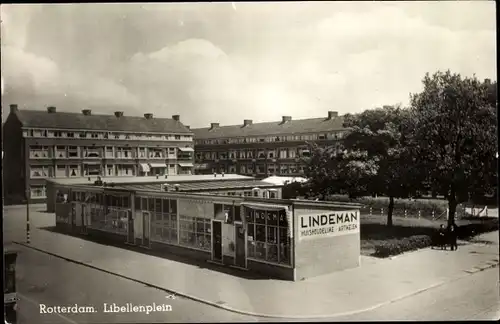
(234, 310)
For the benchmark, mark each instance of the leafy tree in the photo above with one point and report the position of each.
(382, 135)
(373, 158)
(455, 136)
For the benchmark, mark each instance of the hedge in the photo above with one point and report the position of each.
(398, 246)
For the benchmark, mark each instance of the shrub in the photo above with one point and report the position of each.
(398, 246)
(469, 230)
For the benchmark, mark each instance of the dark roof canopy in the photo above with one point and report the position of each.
(312, 125)
(66, 120)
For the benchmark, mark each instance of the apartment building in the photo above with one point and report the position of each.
(51, 144)
(263, 149)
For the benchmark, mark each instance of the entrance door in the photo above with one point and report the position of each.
(217, 240)
(130, 228)
(240, 259)
(84, 219)
(145, 229)
(72, 220)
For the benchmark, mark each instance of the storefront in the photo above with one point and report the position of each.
(287, 239)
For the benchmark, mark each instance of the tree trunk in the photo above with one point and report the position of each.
(452, 207)
(390, 210)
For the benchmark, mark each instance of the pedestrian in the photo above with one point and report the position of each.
(441, 237)
(452, 236)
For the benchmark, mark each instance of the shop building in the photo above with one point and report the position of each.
(286, 239)
(216, 184)
(51, 144)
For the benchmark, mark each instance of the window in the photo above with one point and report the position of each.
(163, 220)
(232, 169)
(271, 154)
(155, 153)
(292, 153)
(92, 169)
(109, 213)
(83, 135)
(57, 134)
(39, 172)
(177, 137)
(38, 191)
(110, 170)
(142, 152)
(243, 169)
(124, 170)
(261, 155)
(283, 154)
(94, 135)
(73, 152)
(91, 152)
(322, 136)
(37, 152)
(60, 151)
(60, 171)
(109, 152)
(74, 171)
(268, 238)
(250, 154)
(70, 134)
(124, 152)
(195, 232)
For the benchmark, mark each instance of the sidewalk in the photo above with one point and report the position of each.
(375, 283)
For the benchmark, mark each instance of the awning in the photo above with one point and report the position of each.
(157, 165)
(186, 165)
(145, 167)
(186, 149)
(264, 206)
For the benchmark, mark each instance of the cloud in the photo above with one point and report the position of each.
(211, 63)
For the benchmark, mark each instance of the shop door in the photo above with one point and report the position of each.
(84, 219)
(130, 228)
(217, 240)
(240, 249)
(72, 221)
(145, 229)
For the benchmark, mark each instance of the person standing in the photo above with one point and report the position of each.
(453, 236)
(442, 237)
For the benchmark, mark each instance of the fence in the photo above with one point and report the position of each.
(434, 214)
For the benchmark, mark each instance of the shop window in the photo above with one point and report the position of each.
(267, 235)
(137, 203)
(195, 232)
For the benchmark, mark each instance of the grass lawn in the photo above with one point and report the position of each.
(375, 231)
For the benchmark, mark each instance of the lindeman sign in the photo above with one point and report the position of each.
(329, 224)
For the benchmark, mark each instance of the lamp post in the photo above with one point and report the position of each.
(28, 192)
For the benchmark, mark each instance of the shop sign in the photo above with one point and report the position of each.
(335, 223)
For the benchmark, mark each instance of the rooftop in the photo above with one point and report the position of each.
(83, 121)
(151, 180)
(199, 186)
(332, 122)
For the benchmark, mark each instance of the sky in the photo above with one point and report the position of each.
(225, 62)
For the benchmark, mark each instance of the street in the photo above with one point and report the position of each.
(51, 281)
(47, 280)
(474, 297)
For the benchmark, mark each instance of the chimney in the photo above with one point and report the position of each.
(188, 127)
(333, 114)
(215, 174)
(222, 173)
(51, 110)
(176, 117)
(214, 125)
(247, 122)
(87, 112)
(148, 116)
(487, 81)
(118, 114)
(13, 109)
(286, 119)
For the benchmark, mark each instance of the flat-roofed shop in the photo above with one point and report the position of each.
(219, 184)
(287, 239)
